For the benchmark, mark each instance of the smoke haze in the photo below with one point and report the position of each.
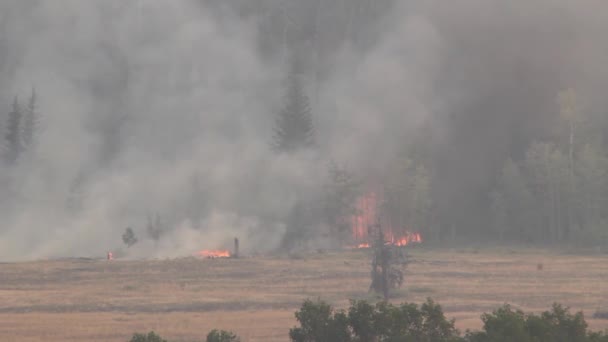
(168, 107)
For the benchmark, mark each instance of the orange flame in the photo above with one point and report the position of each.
(213, 254)
(368, 215)
(409, 238)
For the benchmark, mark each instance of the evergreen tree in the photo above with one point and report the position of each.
(518, 202)
(592, 192)
(408, 199)
(548, 170)
(341, 195)
(294, 129)
(571, 113)
(499, 213)
(30, 122)
(13, 141)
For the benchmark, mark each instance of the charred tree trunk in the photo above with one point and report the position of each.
(236, 247)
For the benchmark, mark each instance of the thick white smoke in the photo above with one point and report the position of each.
(167, 107)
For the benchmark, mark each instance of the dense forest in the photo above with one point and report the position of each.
(270, 118)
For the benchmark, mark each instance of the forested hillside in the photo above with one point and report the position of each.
(271, 119)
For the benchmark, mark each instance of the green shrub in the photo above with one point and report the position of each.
(502, 325)
(556, 325)
(319, 322)
(381, 322)
(385, 322)
(222, 336)
(150, 337)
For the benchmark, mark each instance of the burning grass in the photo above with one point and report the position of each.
(90, 300)
(214, 254)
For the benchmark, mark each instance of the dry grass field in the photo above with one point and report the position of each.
(95, 300)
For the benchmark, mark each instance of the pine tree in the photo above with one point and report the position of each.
(548, 171)
(341, 194)
(30, 122)
(592, 191)
(294, 128)
(519, 202)
(499, 213)
(13, 141)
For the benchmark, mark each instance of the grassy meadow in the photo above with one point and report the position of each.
(182, 299)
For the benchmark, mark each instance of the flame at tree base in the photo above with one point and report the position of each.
(213, 254)
(369, 215)
(409, 239)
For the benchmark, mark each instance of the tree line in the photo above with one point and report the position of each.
(552, 190)
(555, 193)
(540, 172)
(558, 191)
(385, 322)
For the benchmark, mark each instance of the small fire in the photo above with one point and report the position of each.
(368, 215)
(213, 254)
(409, 238)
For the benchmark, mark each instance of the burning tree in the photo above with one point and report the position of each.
(387, 263)
(371, 210)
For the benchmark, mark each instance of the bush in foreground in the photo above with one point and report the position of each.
(150, 337)
(385, 322)
(222, 336)
(557, 325)
(380, 322)
(213, 336)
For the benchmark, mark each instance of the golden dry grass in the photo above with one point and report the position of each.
(95, 300)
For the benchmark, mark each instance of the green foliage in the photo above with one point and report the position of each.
(557, 325)
(435, 326)
(407, 322)
(222, 336)
(150, 337)
(385, 322)
(319, 322)
(503, 325)
(381, 322)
